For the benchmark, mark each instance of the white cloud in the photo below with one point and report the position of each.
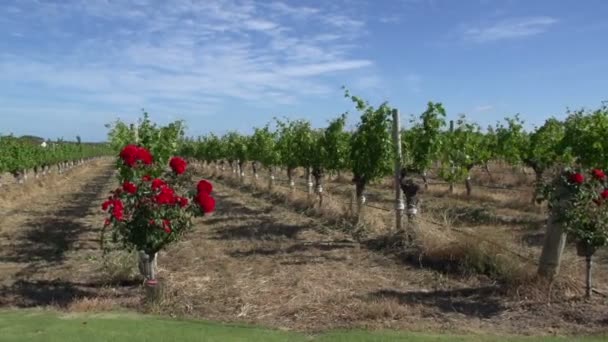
(323, 68)
(510, 29)
(157, 52)
(299, 12)
(343, 22)
(389, 19)
(483, 108)
(259, 25)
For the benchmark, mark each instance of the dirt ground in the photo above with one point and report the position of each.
(252, 261)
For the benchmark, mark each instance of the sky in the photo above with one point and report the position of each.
(67, 67)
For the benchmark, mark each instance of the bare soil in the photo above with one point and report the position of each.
(258, 262)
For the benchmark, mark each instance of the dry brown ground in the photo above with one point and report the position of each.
(254, 261)
(49, 237)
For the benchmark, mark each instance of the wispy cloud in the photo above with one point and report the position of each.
(146, 52)
(509, 29)
(389, 19)
(483, 108)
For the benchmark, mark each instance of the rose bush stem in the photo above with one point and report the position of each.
(589, 263)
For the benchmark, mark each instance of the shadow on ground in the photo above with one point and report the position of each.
(25, 294)
(475, 302)
(43, 243)
(242, 222)
(318, 246)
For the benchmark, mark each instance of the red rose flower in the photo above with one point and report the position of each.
(118, 210)
(105, 205)
(129, 187)
(107, 222)
(604, 194)
(158, 183)
(178, 165)
(152, 222)
(206, 202)
(144, 155)
(599, 174)
(204, 187)
(182, 201)
(577, 178)
(129, 155)
(166, 196)
(146, 178)
(167, 226)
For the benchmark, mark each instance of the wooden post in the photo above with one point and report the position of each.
(318, 175)
(309, 183)
(241, 170)
(399, 206)
(555, 238)
(271, 177)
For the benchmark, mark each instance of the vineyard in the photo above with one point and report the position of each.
(432, 224)
(427, 144)
(20, 156)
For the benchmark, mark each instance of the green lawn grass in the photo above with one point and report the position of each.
(35, 325)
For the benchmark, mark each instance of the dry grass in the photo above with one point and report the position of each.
(282, 272)
(93, 304)
(503, 230)
(449, 251)
(335, 211)
(275, 259)
(15, 195)
(519, 200)
(119, 267)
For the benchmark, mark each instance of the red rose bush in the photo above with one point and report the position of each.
(153, 207)
(579, 202)
(582, 199)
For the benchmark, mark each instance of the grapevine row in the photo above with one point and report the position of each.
(429, 141)
(18, 154)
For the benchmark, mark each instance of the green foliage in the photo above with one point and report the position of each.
(585, 137)
(463, 149)
(163, 142)
(263, 147)
(236, 146)
(210, 148)
(137, 232)
(490, 143)
(511, 140)
(542, 151)
(187, 147)
(17, 154)
(334, 145)
(424, 140)
(371, 150)
(296, 143)
(121, 134)
(147, 221)
(408, 141)
(584, 209)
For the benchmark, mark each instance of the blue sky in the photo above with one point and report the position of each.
(67, 67)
